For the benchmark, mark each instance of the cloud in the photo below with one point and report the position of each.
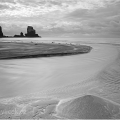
(64, 16)
(37, 7)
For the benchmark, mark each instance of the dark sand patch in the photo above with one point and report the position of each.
(14, 50)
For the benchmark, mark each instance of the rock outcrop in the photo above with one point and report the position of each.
(1, 33)
(31, 32)
(21, 35)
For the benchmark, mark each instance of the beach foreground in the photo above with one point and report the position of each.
(84, 107)
(96, 96)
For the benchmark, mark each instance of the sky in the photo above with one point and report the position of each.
(61, 18)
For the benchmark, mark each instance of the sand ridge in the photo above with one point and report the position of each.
(109, 82)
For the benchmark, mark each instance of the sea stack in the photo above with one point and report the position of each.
(31, 32)
(1, 33)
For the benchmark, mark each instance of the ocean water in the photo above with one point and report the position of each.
(61, 77)
(64, 40)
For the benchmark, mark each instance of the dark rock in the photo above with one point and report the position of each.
(21, 35)
(86, 107)
(31, 32)
(1, 33)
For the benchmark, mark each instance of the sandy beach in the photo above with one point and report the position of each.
(96, 74)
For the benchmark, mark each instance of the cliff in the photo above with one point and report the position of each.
(31, 32)
(1, 33)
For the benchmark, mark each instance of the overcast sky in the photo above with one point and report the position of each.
(62, 18)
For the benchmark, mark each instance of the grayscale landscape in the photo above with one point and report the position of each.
(59, 59)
